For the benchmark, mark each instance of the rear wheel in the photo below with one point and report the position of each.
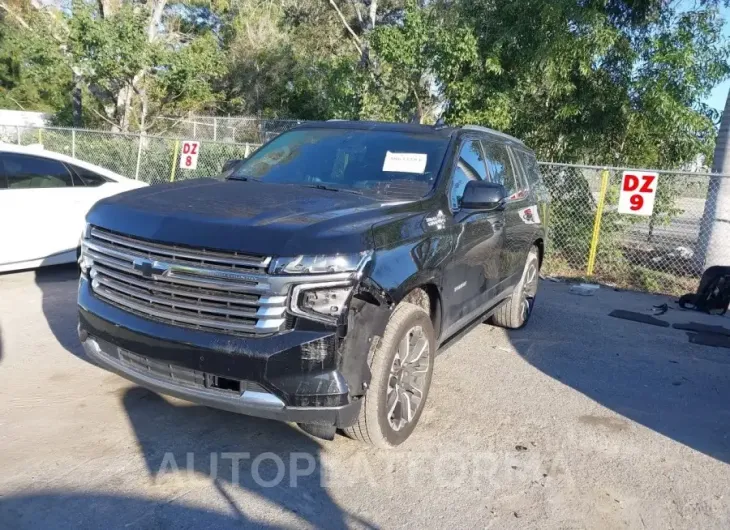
(401, 367)
(515, 312)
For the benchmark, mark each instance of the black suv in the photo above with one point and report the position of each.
(317, 280)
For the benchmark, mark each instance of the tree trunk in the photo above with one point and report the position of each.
(715, 230)
(107, 8)
(76, 106)
(123, 107)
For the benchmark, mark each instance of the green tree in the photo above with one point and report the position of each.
(33, 73)
(124, 62)
(600, 82)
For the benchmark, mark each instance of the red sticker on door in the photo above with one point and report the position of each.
(530, 215)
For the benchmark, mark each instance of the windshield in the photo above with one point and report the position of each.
(396, 165)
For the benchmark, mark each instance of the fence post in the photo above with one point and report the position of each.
(597, 223)
(17, 133)
(40, 136)
(215, 130)
(174, 160)
(73, 143)
(246, 152)
(139, 158)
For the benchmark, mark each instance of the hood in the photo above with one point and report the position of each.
(246, 216)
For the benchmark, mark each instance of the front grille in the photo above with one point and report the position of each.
(195, 288)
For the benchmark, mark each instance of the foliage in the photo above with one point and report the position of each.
(33, 75)
(110, 54)
(616, 82)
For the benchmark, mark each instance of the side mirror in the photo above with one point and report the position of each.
(485, 196)
(230, 163)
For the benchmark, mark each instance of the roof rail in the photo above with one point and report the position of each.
(492, 131)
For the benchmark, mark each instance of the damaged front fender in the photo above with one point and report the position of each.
(368, 315)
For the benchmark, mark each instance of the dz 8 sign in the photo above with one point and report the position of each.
(638, 191)
(189, 154)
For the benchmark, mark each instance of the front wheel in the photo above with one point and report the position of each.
(516, 310)
(401, 367)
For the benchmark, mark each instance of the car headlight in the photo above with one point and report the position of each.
(324, 302)
(85, 261)
(320, 264)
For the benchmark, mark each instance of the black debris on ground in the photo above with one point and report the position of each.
(703, 328)
(638, 317)
(709, 339)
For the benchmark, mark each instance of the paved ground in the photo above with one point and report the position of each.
(579, 421)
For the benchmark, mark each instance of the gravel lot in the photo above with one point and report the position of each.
(579, 421)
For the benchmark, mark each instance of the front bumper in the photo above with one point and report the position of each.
(291, 376)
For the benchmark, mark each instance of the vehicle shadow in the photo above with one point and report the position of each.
(650, 375)
(99, 510)
(272, 460)
(58, 285)
(244, 459)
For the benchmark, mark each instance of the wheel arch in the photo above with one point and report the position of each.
(540, 244)
(427, 296)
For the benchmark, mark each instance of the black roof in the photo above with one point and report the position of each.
(414, 128)
(380, 126)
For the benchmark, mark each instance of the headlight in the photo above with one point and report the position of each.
(85, 261)
(324, 302)
(320, 264)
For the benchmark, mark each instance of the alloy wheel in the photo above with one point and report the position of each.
(408, 376)
(529, 289)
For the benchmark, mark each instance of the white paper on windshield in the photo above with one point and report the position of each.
(405, 162)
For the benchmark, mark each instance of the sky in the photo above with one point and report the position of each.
(719, 94)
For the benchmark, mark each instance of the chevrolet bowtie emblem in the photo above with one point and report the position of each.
(148, 268)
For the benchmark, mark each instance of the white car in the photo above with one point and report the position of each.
(44, 198)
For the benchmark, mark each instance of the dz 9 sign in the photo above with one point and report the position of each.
(189, 154)
(638, 191)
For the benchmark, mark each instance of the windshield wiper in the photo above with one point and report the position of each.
(330, 188)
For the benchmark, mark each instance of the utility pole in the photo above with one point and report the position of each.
(715, 229)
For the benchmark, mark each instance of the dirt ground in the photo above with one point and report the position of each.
(580, 420)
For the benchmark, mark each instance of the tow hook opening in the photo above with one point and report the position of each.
(223, 383)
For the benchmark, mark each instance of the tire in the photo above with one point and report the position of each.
(381, 418)
(515, 312)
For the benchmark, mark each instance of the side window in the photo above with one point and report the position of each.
(469, 166)
(529, 165)
(27, 171)
(500, 166)
(88, 178)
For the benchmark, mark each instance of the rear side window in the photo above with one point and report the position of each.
(529, 165)
(89, 178)
(500, 166)
(27, 171)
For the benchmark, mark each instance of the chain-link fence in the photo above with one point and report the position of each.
(152, 159)
(227, 129)
(589, 238)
